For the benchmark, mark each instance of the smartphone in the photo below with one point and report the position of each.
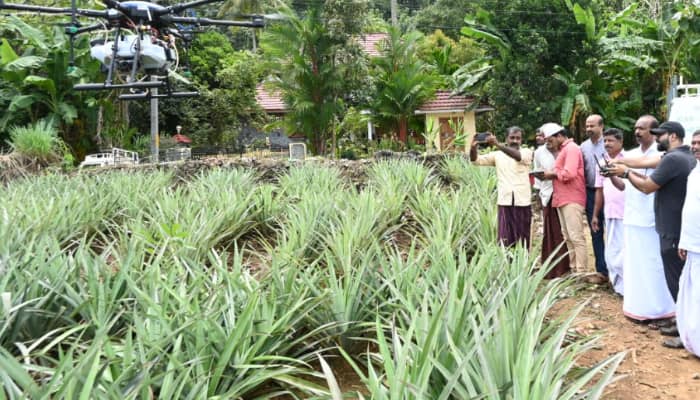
(481, 137)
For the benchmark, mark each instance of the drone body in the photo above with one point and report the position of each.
(142, 53)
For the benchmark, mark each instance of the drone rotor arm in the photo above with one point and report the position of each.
(89, 28)
(53, 10)
(253, 23)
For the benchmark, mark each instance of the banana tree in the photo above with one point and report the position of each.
(610, 83)
(37, 82)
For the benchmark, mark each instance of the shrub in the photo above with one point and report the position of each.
(38, 142)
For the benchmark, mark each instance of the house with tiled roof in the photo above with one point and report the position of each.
(445, 106)
(371, 43)
(270, 100)
(458, 109)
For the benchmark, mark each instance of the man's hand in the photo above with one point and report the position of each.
(548, 175)
(616, 169)
(682, 254)
(491, 140)
(594, 224)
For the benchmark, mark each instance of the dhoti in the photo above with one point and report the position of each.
(646, 293)
(688, 310)
(514, 225)
(614, 255)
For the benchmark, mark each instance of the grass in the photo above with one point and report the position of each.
(38, 142)
(136, 287)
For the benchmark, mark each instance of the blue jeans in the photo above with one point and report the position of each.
(596, 237)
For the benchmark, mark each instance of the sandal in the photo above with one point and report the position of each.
(660, 323)
(673, 343)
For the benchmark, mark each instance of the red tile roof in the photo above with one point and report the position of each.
(444, 101)
(270, 101)
(371, 43)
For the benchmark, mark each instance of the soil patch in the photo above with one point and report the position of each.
(649, 371)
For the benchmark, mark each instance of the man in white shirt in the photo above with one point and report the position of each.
(512, 164)
(646, 295)
(688, 306)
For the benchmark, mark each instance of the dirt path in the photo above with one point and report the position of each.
(649, 371)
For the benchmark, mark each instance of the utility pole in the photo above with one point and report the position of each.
(394, 12)
(154, 123)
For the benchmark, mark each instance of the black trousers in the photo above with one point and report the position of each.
(673, 265)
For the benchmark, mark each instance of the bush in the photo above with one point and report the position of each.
(348, 154)
(38, 142)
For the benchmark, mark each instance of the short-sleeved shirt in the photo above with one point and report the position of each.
(513, 176)
(690, 223)
(672, 176)
(639, 206)
(614, 198)
(589, 150)
(570, 185)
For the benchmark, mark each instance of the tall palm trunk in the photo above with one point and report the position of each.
(403, 130)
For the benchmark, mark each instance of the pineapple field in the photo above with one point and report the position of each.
(143, 285)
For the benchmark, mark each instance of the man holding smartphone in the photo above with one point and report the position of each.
(512, 164)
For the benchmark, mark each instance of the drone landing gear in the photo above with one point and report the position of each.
(133, 85)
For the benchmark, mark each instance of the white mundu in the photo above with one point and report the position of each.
(688, 314)
(646, 293)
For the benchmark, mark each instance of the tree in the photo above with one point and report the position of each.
(316, 60)
(36, 82)
(403, 82)
(447, 54)
(523, 40)
(210, 51)
(609, 84)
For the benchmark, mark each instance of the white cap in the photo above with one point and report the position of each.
(551, 129)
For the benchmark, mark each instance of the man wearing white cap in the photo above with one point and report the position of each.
(569, 193)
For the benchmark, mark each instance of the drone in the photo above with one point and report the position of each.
(141, 57)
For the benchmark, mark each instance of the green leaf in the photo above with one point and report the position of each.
(7, 54)
(34, 35)
(26, 62)
(336, 393)
(490, 38)
(586, 18)
(14, 370)
(21, 102)
(43, 83)
(567, 108)
(68, 112)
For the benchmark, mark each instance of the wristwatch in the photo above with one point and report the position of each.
(626, 174)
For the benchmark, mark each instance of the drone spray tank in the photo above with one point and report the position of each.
(152, 56)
